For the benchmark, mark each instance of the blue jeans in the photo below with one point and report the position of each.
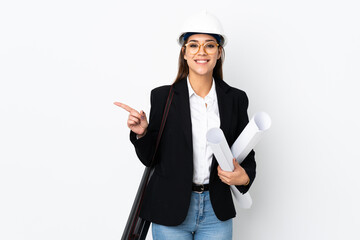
(201, 223)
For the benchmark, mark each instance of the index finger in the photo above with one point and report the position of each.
(224, 173)
(124, 106)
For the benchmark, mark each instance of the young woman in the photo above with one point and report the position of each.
(188, 196)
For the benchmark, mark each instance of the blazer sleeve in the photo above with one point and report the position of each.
(145, 146)
(249, 163)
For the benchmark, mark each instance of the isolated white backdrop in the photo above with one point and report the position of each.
(68, 169)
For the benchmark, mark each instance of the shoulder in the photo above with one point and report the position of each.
(232, 91)
(160, 91)
(159, 94)
(238, 92)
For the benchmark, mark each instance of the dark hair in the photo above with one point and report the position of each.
(183, 70)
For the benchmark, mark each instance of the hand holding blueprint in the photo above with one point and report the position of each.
(247, 140)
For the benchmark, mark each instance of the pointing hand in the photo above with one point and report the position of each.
(137, 121)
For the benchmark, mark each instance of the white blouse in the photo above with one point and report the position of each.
(202, 119)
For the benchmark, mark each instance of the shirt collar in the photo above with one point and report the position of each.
(211, 94)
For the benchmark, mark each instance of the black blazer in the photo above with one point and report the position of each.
(167, 197)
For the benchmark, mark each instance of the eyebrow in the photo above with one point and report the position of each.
(209, 40)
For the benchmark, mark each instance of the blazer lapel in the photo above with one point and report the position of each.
(182, 105)
(225, 106)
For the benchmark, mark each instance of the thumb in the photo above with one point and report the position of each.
(236, 164)
(143, 116)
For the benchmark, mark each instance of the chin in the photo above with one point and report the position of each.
(201, 72)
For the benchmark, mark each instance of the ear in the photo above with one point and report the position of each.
(183, 51)
(220, 51)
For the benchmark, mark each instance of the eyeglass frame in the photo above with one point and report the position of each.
(203, 45)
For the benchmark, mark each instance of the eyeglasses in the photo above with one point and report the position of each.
(209, 47)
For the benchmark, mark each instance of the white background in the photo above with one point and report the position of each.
(68, 169)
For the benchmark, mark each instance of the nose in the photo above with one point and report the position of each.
(202, 49)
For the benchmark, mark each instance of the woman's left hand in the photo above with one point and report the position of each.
(236, 177)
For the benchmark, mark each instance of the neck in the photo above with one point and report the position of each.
(201, 84)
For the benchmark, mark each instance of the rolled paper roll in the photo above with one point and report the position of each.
(223, 155)
(246, 141)
(250, 136)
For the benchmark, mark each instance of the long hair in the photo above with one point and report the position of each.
(183, 70)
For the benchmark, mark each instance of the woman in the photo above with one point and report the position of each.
(188, 196)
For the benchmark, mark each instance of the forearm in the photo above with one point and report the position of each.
(144, 146)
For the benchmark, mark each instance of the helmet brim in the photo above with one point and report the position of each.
(222, 41)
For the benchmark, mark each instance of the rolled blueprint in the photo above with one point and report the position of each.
(250, 136)
(222, 152)
(247, 140)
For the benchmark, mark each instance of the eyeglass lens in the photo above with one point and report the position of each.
(209, 47)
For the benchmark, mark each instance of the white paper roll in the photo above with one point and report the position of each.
(247, 140)
(250, 136)
(222, 152)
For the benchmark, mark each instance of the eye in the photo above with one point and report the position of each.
(211, 45)
(193, 45)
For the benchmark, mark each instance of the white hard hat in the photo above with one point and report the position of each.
(203, 22)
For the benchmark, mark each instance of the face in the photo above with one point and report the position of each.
(201, 63)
